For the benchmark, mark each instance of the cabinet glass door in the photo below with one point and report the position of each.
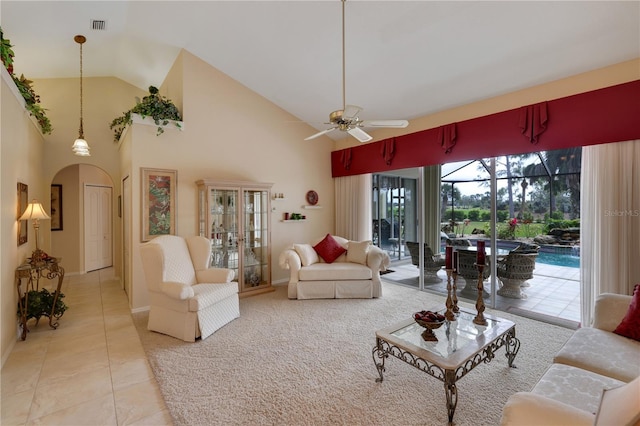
(255, 238)
(224, 228)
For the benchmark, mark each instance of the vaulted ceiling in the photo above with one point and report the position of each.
(403, 59)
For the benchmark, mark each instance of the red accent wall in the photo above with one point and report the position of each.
(600, 116)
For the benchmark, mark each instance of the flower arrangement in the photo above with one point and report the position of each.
(513, 224)
(25, 87)
(155, 106)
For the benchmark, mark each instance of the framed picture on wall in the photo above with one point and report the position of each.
(56, 207)
(158, 202)
(23, 202)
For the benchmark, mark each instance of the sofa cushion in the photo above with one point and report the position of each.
(308, 255)
(586, 386)
(357, 251)
(620, 405)
(630, 325)
(335, 271)
(329, 249)
(602, 352)
(527, 409)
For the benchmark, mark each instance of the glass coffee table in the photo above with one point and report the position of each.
(462, 345)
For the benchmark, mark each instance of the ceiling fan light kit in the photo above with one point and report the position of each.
(346, 119)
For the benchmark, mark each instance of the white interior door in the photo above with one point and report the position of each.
(97, 227)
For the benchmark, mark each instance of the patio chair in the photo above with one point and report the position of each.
(458, 242)
(468, 270)
(513, 271)
(432, 262)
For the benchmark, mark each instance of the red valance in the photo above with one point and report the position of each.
(533, 121)
(447, 137)
(595, 117)
(388, 150)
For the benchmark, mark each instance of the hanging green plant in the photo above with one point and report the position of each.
(25, 87)
(40, 303)
(6, 53)
(158, 107)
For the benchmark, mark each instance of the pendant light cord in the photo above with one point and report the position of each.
(80, 39)
(81, 130)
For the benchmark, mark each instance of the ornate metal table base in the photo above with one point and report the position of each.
(31, 273)
(449, 377)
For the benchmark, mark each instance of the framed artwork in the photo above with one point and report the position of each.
(158, 202)
(56, 207)
(23, 202)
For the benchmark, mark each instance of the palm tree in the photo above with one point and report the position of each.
(564, 164)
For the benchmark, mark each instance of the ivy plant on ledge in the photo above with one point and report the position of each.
(158, 107)
(31, 99)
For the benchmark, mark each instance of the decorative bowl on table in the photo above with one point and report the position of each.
(430, 320)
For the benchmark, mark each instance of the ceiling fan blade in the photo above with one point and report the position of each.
(385, 123)
(320, 133)
(359, 134)
(350, 111)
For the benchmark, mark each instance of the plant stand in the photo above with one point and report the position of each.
(32, 272)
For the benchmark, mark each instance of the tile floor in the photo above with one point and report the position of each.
(92, 370)
(553, 294)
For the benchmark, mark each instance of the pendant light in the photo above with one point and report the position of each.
(80, 146)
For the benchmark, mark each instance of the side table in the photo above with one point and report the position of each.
(31, 273)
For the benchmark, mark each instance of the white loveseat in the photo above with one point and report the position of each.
(188, 299)
(594, 359)
(354, 274)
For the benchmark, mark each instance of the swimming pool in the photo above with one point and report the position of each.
(567, 256)
(559, 259)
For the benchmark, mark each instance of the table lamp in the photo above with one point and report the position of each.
(35, 212)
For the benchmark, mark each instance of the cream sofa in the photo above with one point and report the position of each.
(592, 360)
(354, 274)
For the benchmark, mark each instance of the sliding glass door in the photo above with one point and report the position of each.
(395, 209)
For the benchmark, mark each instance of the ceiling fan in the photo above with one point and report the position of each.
(346, 119)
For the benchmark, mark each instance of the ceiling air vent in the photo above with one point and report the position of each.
(98, 24)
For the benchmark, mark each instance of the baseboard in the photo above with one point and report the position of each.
(142, 309)
(550, 319)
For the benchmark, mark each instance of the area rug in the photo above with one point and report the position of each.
(309, 362)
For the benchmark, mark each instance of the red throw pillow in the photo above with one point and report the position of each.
(329, 249)
(630, 325)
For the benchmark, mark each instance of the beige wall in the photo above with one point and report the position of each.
(66, 243)
(21, 160)
(231, 133)
(592, 80)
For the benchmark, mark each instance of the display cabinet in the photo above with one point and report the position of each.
(236, 217)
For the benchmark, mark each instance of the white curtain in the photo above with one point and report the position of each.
(609, 222)
(353, 207)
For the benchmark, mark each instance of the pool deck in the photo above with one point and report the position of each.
(553, 295)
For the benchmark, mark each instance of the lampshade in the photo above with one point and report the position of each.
(81, 147)
(34, 211)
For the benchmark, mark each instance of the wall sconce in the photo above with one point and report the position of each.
(35, 212)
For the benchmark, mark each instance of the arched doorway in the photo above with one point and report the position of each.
(84, 234)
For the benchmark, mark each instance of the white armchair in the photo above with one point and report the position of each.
(188, 299)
